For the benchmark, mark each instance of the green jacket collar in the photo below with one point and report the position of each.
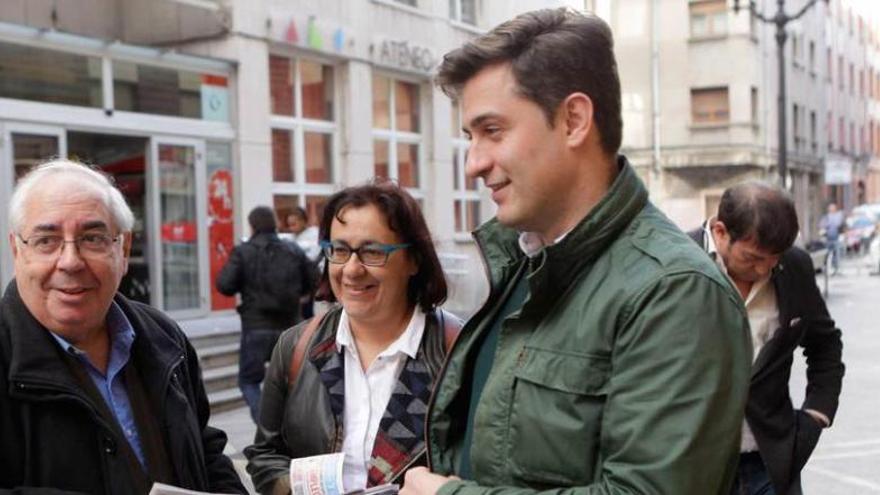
(562, 262)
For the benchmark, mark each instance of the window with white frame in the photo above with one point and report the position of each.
(304, 135)
(397, 138)
(465, 196)
(463, 11)
(708, 18)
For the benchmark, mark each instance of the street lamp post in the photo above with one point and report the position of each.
(781, 19)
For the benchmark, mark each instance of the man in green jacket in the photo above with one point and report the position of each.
(611, 356)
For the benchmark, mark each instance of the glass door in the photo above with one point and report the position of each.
(25, 147)
(181, 276)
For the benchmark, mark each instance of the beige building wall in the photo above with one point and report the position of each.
(687, 162)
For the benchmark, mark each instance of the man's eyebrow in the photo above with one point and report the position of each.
(46, 227)
(480, 119)
(95, 225)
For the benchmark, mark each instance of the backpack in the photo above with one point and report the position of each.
(277, 276)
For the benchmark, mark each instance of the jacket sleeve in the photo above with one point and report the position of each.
(229, 280)
(268, 458)
(821, 342)
(222, 477)
(676, 395)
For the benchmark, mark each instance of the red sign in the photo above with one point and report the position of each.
(221, 232)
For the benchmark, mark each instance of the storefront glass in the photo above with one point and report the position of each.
(35, 74)
(179, 227)
(124, 159)
(158, 90)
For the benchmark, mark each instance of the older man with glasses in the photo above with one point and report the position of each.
(98, 394)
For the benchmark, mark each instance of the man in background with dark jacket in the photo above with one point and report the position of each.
(271, 274)
(98, 394)
(751, 241)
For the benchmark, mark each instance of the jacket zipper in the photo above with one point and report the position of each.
(446, 359)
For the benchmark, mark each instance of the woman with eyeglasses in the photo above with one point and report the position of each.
(358, 379)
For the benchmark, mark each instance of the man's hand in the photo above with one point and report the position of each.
(420, 481)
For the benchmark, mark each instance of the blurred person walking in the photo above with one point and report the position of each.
(831, 226)
(271, 275)
(306, 236)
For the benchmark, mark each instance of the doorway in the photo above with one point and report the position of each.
(124, 158)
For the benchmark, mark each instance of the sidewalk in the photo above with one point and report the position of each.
(240, 429)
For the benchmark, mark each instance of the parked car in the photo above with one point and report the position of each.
(871, 210)
(859, 232)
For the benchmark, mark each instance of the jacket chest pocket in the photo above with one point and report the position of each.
(556, 417)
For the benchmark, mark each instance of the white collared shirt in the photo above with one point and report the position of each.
(531, 243)
(367, 393)
(763, 314)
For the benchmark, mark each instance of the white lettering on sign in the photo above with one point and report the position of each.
(402, 55)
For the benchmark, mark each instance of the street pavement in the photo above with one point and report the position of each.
(848, 455)
(847, 459)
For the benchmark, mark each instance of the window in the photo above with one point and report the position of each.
(147, 89)
(812, 55)
(710, 106)
(852, 83)
(755, 110)
(841, 81)
(830, 126)
(411, 3)
(463, 11)
(35, 74)
(304, 133)
(852, 138)
(829, 72)
(397, 139)
(861, 84)
(465, 195)
(708, 18)
(841, 134)
(796, 128)
(814, 145)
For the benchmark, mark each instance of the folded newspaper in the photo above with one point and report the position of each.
(163, 489)
(322, 475)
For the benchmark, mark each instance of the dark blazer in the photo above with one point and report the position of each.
(53, 434)
(787, 436)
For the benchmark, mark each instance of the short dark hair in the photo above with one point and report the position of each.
(262, 220)
(427, 287)
(552, 53)
(299, 212)
(762, 212)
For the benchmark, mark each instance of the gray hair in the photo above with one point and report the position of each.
(82, 175)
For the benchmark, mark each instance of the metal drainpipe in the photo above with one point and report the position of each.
(655, 95)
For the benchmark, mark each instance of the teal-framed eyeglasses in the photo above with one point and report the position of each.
(369, 254)
(89, 245)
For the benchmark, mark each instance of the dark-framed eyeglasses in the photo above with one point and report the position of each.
(369, 254)
(89, 245)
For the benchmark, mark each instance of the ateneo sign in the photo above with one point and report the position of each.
(402, 55)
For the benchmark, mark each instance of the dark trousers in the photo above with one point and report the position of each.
(751, 476)
(256, 351)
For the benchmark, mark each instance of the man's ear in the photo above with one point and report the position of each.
(720, 230)
(577, 112)
(13, 245)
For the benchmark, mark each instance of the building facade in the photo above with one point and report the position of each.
(204, 109)
(700, 84)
